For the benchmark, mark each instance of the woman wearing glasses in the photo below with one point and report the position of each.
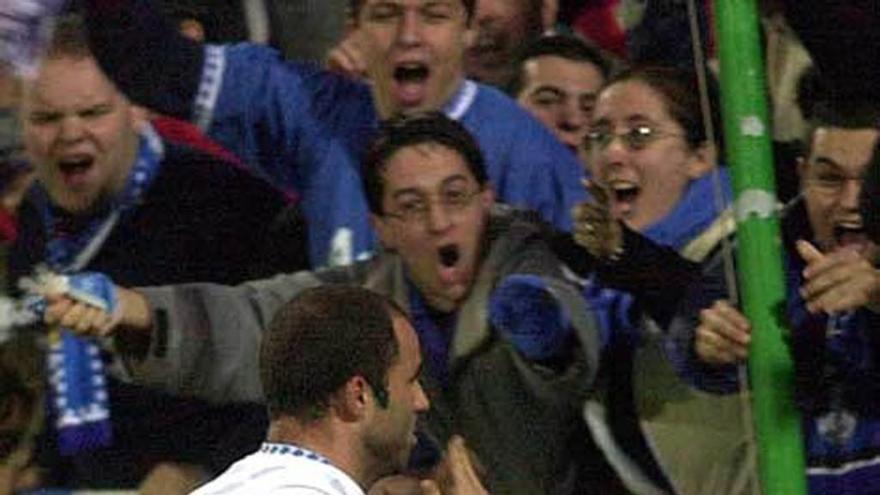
(653, 167)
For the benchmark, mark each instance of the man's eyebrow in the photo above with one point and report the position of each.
(639, 118)
(827, 161)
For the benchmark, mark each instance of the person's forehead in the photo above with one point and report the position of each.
(424, 164)
(848, 148)
(409, 353)
(68, 79)
(555, 68)
(414, 3)
(629, 98)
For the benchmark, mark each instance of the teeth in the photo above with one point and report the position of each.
(849, 228)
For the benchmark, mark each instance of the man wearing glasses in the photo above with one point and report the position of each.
(509, 345)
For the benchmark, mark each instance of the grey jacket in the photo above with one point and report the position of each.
(518, 417)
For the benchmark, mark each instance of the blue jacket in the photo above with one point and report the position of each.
(837, 387)
(306, 128)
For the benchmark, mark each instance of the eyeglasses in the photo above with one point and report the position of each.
(635, 139)
(417, 207)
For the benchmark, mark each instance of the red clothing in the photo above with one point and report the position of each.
(8, 227)
(183, 132)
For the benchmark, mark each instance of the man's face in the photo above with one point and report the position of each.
(502, 27)
(391, 435)
(647, 180)
(79, 133)
(414, 49)
(435, 215)
(561, 93)
(831, 183)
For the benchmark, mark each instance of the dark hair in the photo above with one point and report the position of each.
(404, 131)
(321, 339)
(824, 104)
(355, 7)
(69, 38)
(567, 47)
(870, 200)
(680, 90)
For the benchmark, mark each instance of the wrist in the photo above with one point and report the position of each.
(135, 312)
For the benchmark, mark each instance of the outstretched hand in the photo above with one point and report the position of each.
(595, 228)
(85, 319)
(839, 281)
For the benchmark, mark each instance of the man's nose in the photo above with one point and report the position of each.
(438, 218)
(572, 116)
(849, 196)
(72, 129)
(410, 30)
(420, 401)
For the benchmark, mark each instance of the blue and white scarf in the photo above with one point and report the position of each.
(76, 371)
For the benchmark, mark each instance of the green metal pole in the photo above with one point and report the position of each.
(781, 460)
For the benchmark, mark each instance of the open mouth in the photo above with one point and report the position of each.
(411, 73)
(410, 79)
(625, 192)
(448, 255)
(850, 234)
(74, 168)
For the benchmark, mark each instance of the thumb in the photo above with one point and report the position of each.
(808, 252)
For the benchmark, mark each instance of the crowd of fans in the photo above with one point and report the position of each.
(477, 247)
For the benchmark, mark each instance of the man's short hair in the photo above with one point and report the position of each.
(825, 104)
(321, 339)
(568, 47)
(404, 131)
(69, 38)
(355, 7)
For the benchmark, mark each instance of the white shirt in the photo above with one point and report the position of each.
(283, 469)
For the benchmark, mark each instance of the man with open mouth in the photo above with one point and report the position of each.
(509, 344)
(306, 129)
(833, 304)
(111, 195)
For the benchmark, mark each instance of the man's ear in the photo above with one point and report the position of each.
(385, 231)
(703, 160)
(351, 401)
(487, 196)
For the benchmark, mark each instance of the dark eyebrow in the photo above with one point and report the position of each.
(455, 178)
(444, 183)
(825, 161)
(639, 119)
